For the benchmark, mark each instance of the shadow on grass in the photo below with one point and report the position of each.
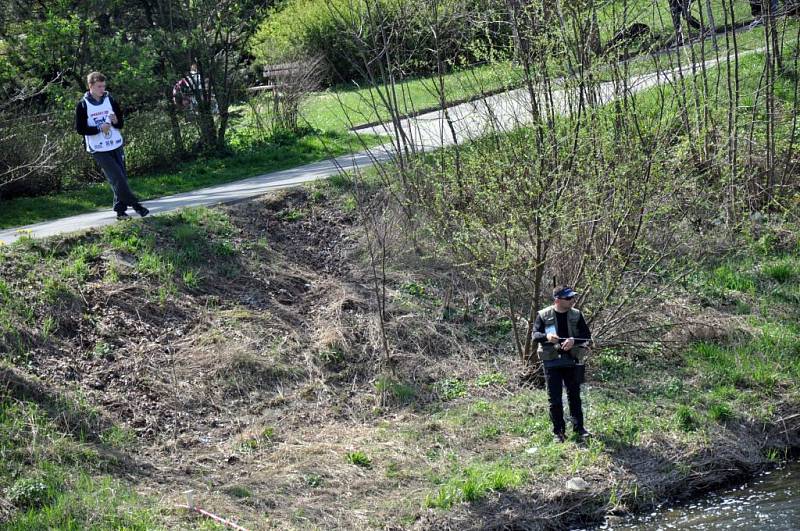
(74, 419)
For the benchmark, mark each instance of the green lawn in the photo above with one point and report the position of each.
(344, 107)
(616, 15)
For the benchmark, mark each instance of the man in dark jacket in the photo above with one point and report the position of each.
(99, 119)
(562, 335)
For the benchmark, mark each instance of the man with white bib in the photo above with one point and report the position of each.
(99, 119)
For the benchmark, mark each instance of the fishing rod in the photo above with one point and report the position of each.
(576, 339)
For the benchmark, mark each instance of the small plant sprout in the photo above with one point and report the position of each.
(359, 458)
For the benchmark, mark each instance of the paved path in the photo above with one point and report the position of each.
(510, 110)
(214, 195)
(502, 112)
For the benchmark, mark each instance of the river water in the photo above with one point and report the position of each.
(770, 502)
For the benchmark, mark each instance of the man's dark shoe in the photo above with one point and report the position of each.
(122, 215)
(141, 210)
(583, 434)
(559, 438)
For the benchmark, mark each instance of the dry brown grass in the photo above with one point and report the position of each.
(252, 390)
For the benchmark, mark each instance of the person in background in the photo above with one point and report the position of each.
(99, 119)
(186, 90)
(562, 335)
(680, 9)
(757, 9)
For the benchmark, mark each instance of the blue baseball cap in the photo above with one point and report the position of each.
(564, 293)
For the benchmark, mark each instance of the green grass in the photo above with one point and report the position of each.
(468, 448)
(451, 388)
(473, 483)
(343, 107)
(336, 110)
(614, 16)
(402, 392)
(746, 42)
(782, 270)
(188, 176)
(88, 503)
(491, 379)
(178, 251)
(55, 481)
(632, 400)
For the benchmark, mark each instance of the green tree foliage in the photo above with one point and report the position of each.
(144, 47)
(214, 34)
(59, 42)
(420, 33)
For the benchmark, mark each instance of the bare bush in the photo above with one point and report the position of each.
(276, 105)
(602, 188)
(31, 152)
(293, 86)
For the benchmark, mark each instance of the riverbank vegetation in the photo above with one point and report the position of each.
(355, 354)
(235, 351)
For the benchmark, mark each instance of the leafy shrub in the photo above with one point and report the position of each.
(503, 326)
(29, 492)
(490, 379)
(461, 29)
(451, 389)
(413, 289)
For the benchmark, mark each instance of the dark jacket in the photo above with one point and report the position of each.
(82, 116)
(551, 356)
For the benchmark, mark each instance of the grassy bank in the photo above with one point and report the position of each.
(347, 106)
(55, 479)
(163, 354)
(235, 351)
(614, 16)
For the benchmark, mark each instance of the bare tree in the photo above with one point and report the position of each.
(29, 147)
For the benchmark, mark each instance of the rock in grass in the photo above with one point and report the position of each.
(577, 485)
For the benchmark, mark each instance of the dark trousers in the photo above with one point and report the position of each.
(557, 378)
(680, 9)
(113, 165)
